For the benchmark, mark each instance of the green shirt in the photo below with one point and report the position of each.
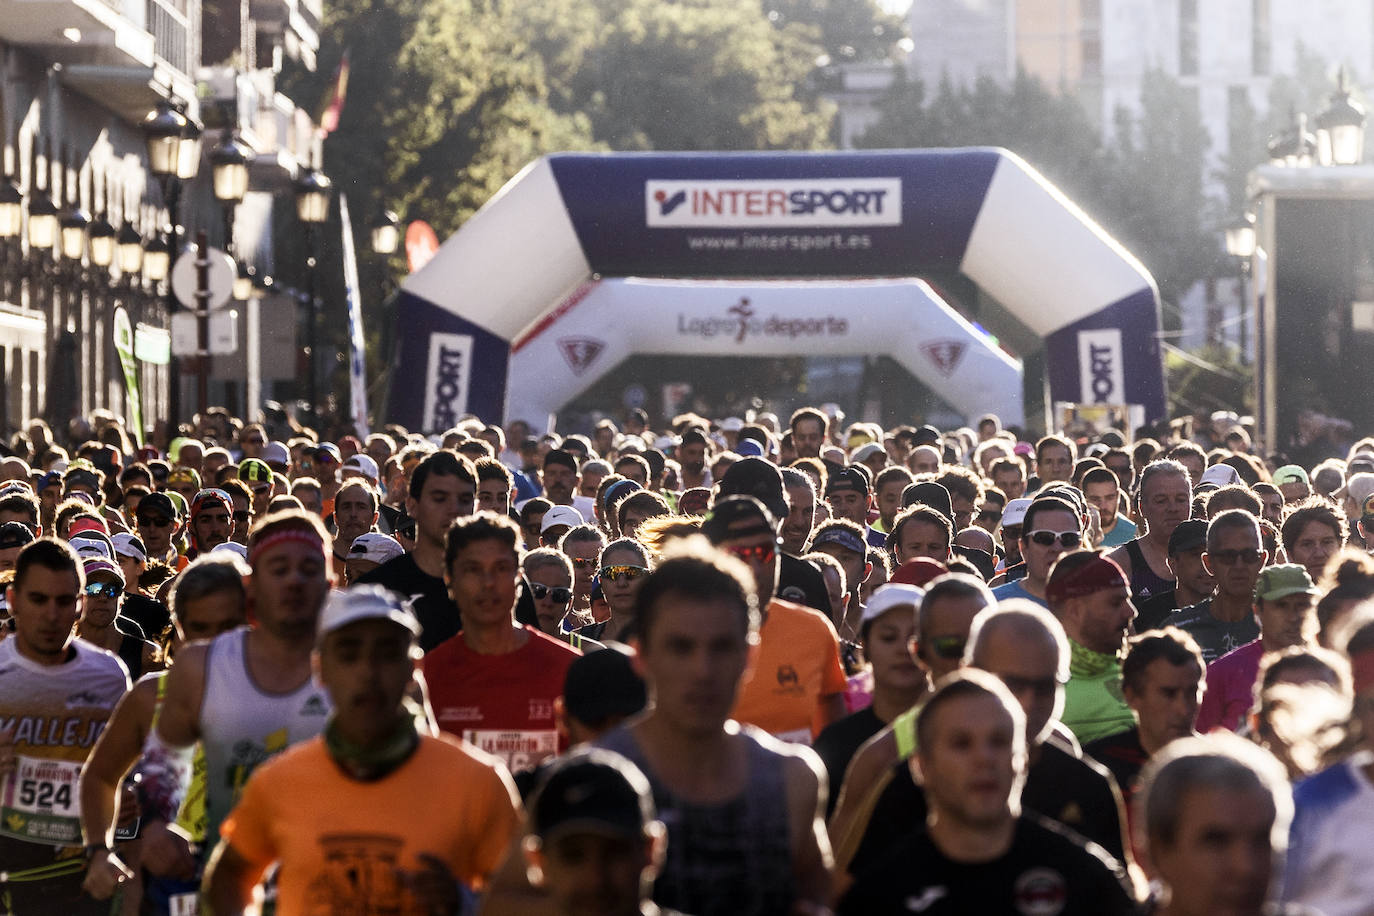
(1094, 705)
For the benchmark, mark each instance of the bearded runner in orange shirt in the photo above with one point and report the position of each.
(798, 683)
(350, 815)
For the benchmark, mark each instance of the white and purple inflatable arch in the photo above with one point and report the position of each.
(512, 317)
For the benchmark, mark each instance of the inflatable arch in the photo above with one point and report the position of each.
(572, 348)
(521, 266)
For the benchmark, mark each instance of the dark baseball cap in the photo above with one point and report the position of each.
(592, 791)
(15, 534)
(737, 516)
(758, 478)
(929, 493)
(926, 435)
(847, 478)
(1189, 535)
(603, 684)
(158, 504)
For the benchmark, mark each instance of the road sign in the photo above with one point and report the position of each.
(224, 338)
(221, 273)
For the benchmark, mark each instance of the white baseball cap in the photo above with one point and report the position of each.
(560, 515)
(363, 465)
(275, 453)
(129, 545)
(376, 547)
(1014, 513)
(364, 602)
(894, 594)
(233, 547)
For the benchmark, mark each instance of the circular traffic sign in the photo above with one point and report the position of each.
(220, 277)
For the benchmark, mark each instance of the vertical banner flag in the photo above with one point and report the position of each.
(124, 346)
(357, 369)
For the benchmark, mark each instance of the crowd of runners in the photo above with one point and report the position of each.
(725, 666)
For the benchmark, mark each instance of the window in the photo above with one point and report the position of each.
(1187, 38)
(1260, 39)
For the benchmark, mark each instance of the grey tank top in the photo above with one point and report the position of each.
(733, 859)
(242, 725)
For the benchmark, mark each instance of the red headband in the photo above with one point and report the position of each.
(299, 535)
(1096, 575)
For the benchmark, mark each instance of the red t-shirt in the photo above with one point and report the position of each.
(501, 703)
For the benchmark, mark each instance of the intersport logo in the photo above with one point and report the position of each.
(781, 204)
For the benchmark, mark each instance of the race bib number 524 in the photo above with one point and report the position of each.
(39, 802)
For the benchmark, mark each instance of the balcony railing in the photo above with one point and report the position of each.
(174, 40)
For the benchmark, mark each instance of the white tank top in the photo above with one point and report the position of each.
(242, 725)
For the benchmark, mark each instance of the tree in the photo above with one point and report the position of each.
(1145, 189)
(692, 75)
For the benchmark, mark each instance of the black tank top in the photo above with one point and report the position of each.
(1145, 583)
(733, 859)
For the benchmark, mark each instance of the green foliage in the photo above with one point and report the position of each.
(690, 75)
(1145, 188)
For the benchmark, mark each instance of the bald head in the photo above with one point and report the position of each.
(924, 459)
(1023, 645)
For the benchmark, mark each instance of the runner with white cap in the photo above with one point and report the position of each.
(362, 791)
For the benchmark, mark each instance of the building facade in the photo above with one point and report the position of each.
(78, 79)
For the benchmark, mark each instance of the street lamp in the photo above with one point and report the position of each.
(157, 259)
(1240, 237)
(386, 233)
(162, 130)
(1340, 128)
(1295, 146)
(74, 224)
(1241, 242)
(42, 223)
(312, 208)
(244, 288)
(11, 209)
(103, 236)
(130, 247)
(229, 174)
(312, 197)
(229, 164)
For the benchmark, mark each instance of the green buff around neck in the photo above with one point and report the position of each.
(371, 763)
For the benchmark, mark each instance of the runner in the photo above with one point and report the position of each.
(248, 694)
(208, 600)
(495, 683)
(349, 815)
(56, 694)
(978, 853)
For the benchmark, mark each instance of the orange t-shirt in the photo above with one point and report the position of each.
(798, 665)
(347, 845)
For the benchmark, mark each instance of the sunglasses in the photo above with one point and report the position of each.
(264, 488)
(1232, 557)
(558, 594)
(1068, 539)
(584, 562)
(145, 521)
(622, 573)
(242, 516)
(104, 589)
(989, 515)
(254, 441)
(759, 553)
(948, 646)
(1040, 686)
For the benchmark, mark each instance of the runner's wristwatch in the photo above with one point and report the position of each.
(93, 849)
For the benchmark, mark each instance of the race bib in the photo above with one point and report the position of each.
(521, 750)
(39, 802)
